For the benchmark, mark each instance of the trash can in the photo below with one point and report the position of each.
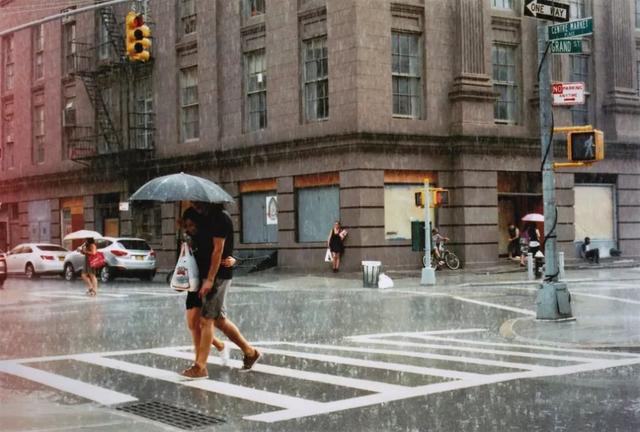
(370, 273)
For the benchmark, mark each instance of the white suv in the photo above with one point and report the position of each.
(125, 256)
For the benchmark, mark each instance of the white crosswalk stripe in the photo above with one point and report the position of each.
(392, 354)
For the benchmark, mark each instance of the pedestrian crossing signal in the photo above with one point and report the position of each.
(440, 197)
(419, 199)
(137, 38)
(585, 146)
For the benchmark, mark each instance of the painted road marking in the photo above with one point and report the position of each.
(296, 407)
(618, 299)
(251, 394)
(427, 336)
(79, 388)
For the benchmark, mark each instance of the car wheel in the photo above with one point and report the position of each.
(106, 274)
(148, 276)
(69, 273)
(29, 271)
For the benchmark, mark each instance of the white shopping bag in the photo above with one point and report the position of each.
(327, 256)
(384, 281)
(185, 276)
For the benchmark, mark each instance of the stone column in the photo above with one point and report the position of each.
(472, 94)
(622, 104)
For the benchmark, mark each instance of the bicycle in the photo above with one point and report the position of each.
(449, 258)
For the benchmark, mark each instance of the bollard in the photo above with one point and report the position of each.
(530, 275)
(560, 265)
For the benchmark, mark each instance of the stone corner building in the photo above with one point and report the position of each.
(331, 109)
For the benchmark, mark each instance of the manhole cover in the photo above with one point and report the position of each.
(171, 415)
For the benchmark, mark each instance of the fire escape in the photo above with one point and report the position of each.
(118, 136)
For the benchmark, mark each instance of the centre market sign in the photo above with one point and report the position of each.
(571, 29)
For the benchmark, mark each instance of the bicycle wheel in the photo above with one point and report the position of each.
(451, 260)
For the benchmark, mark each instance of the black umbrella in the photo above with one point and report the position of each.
(181, 187)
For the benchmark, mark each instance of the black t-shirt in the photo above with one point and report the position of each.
(218, 225)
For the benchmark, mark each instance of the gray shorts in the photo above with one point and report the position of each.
(213, 305)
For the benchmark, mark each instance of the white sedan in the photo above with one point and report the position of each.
(33, 259)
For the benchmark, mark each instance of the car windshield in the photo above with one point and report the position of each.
(134, 244)
(52, 248)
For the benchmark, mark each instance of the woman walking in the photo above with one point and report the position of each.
(335, 242)
(89, 249)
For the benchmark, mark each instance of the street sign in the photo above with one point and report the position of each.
(571, 29)
(566, 46)
(547, 9)
(567, 94)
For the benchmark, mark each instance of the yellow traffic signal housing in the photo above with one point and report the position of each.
(585, 146)
(137, 41)
(439, 197)
(419, 199)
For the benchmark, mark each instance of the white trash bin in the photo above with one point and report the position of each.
(370, 273)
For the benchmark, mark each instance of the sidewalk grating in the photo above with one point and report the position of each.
(171, 415)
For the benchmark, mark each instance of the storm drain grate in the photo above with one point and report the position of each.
(171, 415)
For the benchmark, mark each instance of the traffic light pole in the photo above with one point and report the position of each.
(553, 300)
(428, 276)
(61, 15)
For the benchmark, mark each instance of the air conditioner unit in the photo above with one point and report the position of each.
(69, 117)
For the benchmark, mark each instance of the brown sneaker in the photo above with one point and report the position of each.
(194, 372)
(248, 362)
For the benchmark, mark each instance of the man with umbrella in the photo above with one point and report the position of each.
(213, 243)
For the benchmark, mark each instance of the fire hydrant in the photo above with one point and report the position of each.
(538, 262)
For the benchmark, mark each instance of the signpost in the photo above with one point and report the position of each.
(571, 29)
(567, 94)
(547, 9)
(566, 46)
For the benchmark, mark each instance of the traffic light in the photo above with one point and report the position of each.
(137, 38)
(439, 197)
(585, 146)
(419, 199)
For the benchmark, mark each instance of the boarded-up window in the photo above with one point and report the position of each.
(258, 217)
(594, 221)
(318, 209)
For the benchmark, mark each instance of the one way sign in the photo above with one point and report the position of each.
(547, 9)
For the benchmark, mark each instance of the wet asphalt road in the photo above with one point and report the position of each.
(336, 358)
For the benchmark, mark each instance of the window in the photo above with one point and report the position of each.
(253, 7)
(406, 74)
(38, 52)
(8, 136)
(502, 4)
(316, 79)
(580, 73)
(578, 9)
(144, 114)
(103, 39)
(256, 88)
(638, 74)
(9, 68)
(69, 37)
(400, 210)
(504, 83)
(38, 134)
(318, 209)
(188, 16)
(190, 113)
(147, 219)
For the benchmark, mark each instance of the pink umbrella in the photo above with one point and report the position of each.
(534, 217)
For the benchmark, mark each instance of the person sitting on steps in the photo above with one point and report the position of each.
(589, 253)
